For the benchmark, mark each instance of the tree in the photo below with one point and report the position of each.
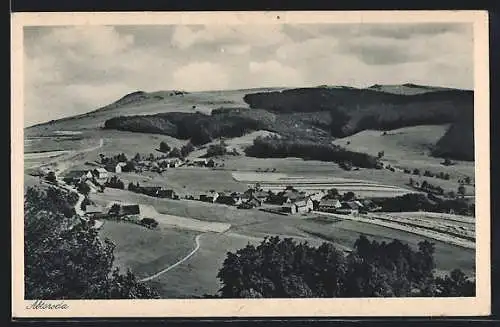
(349, 196)
(65, 259)
(216, 150)
(380, 154)
(455, 284)
(282, 268)
(187, 149)
(416, 171)
(333, 193)
(164, 147)
(447, 162)
(467, 180)
(121, 157)
(461, 190)
(411, 181)
(51, 177)
(129, 166)
(114, 210)
(115, 182)
(175, 153)
(83, 188)
(137, 157)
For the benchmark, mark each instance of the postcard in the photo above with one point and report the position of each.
(250, 164)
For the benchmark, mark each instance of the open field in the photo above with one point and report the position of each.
(407, 147)
(277, 182)
(433, 230)
(318, 169)
(187, 180)
(146, 251)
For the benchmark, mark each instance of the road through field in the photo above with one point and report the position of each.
(190, 254)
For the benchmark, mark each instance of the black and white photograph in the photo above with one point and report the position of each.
(272, 159)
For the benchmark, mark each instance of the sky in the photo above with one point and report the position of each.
(75, 69)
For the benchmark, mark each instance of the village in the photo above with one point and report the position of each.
(106, 170)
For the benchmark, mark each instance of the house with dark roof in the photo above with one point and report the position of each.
(170, 194)
(230, 199)
(75, 176)
(211, 196)
(100, 173)
(349, 207)
(150, 190)
(254, 202)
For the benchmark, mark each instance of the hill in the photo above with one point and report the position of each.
(316, 114)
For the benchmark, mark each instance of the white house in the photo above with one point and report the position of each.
(119, 166)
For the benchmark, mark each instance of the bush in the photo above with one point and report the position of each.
(83, 188)
(175, 153)
(164, 147)
(115, 182)
(215, 150)
(51, 177)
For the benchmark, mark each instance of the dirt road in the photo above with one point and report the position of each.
(189, 255)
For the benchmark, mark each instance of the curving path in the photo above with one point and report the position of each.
(190, 254)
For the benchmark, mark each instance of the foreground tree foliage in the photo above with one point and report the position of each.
(64, 257)
(282, 268)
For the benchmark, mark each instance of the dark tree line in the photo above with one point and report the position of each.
(64, 257)
(282, 268)
(416, 202)
(275, 147)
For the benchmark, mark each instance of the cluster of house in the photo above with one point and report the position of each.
(94, 178)
(160, 164)
(289, 201)
(155, 191)
(94, 211)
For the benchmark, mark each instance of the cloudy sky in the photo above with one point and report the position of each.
(71, 70)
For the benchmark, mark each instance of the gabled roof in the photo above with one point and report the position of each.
(301, 203)
(75, 174)
(101, 170)
(350, 205)
(93, 208)
(330, 203)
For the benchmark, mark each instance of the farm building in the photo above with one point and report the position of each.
(130, 209)
(149, 222)
(370, 205)
(230, 199)
(304, 205)
(174, 163)
(200, 162)
(351, 207)
(115, 168)
(150, 190)
(317, 196)
(211, 196)
(100, 173)
(94, 211)
(171, 194)
(75, 176)
(289, 208)
(254, 202)
(329, 205)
